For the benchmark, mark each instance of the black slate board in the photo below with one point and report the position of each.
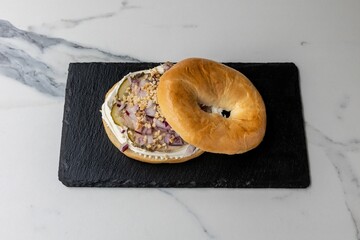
(88, 159)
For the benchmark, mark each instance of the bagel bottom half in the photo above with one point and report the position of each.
(162, 158)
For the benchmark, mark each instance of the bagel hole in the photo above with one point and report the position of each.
(225, 114)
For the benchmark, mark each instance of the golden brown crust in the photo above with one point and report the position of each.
(134, 155)
(197, 81)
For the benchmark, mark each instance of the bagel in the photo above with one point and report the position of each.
(195, 82)
(134, 124)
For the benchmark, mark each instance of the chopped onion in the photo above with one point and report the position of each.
(139, 132)
(166, 66)
(149, 120)
(120, 105)
(150, 111)
(150, 139)
(146, 131)
(133, 118)
(139, 139)
(162, 125)
(124, 147)
(132, 109)
(177, 142)
(135, 80)
(167, 138)
(150, 103)
(142, 82)
(142, 93)
(135, 88)
(128, 121)
(190, 149)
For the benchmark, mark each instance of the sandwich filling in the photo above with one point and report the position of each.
(132, 113)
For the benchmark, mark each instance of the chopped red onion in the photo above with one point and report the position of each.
(150, 109)
(146, 131)
(167, 66)
(177, 142)
(142, 82)
(190, 149)
(132, 109)
(150, 139)
(121, 105)
(142, 93)
(150, 112)
(150, 103)
(135, 88)
(139, 139)
(135, 80)
(162, 125)
(128, 121)
(133, 119)
(124, 147)
(139, 132)
(167, 138)
(149, 120)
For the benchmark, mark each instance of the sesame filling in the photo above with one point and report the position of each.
(137, 111)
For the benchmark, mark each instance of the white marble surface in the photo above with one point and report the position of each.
(39, 38)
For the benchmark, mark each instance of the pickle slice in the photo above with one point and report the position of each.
(116, 113)
(122, 89)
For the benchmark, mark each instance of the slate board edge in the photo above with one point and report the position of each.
(304, 137)
(129, 184)
(62, 168)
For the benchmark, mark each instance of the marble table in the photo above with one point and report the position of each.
(39, 38)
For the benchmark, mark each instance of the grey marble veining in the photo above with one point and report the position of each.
(336, 152)
(74, 22)
(41, 62)
(190, 212)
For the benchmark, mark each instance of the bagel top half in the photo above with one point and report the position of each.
(195, 82)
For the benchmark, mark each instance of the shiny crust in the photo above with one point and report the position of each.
(197, 81)
(136, 156)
